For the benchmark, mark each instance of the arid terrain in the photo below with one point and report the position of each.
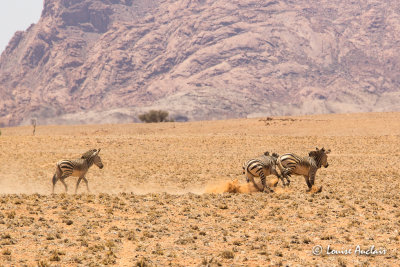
(151, 203)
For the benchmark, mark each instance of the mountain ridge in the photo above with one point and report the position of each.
(97, 61)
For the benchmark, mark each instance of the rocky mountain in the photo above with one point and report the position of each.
(101, 61)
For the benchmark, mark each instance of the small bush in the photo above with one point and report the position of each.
(155, 116)
(227, 254)
(7, 252)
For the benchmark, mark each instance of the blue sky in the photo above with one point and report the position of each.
(17, 15)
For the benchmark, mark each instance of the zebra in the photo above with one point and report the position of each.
(261, 167)
(307, 166)
(77, 167)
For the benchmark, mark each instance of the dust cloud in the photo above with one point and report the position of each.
(244, 188)
(231, 187)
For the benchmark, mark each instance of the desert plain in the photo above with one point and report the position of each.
(167, 194)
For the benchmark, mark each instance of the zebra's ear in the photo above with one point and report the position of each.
(316, 148)
(328, 151)
(266, 153)
(98, 151)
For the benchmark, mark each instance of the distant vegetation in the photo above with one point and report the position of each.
(155, 116)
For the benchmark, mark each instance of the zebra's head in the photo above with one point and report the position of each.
(93, 154)
(320, 156)
(97, 159)
(275, 156)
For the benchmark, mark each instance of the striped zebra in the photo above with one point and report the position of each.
(307, 166)
(261, 167)
(77, 167)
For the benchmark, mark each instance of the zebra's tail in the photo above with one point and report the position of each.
(58, 170)
(54, 179)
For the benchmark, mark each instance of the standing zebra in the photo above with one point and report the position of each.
(261, 167)
(77, 167)
(307, 166)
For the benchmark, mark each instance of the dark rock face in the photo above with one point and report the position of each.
(100, 61)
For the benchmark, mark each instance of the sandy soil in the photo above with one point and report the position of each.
(159, 199)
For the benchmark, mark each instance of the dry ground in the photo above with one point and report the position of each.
(149, 204)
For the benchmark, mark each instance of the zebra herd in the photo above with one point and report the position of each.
(288, 164)
(262, 166)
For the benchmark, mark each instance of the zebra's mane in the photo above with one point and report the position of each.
(88, 154)
(318, 152)
(317, 155)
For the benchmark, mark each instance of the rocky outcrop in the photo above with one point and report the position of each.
(100, 61)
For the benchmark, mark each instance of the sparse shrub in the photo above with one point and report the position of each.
(110, 257)
(210, 262)
(341, 262)
(158, 250)
(278, 253)
(11, 215)
(143, 262)
(155, 116)
(131, 235)
(227, 254)
(43, 263)
(6, 236)
(148, 234)
(55, 256)
(7, 252)
(237, 243)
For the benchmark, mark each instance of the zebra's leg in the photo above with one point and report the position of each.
(247, 176)
(286, 173)
(312, 176)
(308, 182)
(274, 172)
(87, 183)
(62, 178)
(264, 183)
(77, 184)
(250, 177)
(65, 185)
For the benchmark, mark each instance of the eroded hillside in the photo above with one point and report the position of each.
(104, 61)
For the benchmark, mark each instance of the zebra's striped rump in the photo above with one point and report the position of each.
(261, 167)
